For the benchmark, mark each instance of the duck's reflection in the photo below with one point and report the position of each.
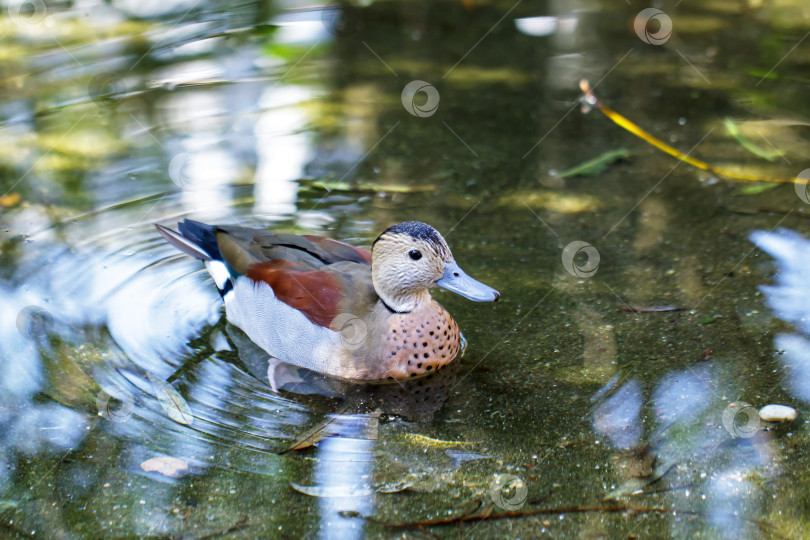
(342, 478)
(345, 442)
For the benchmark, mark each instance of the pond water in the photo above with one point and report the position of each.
(129, 407)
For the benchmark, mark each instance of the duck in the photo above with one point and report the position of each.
(333, 308)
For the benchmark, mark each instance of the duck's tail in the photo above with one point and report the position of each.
(199, 241)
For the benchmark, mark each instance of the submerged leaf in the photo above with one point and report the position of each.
(596, 165)
(334, 185)
(633, 308)
(563, 203)
(358, 490)
(746, 143)
(430, 442)
(167, 466)
(172, 402)
(350, 514)
(10, 200)
(757, 188)
(635, 485)
(395, 487)
(320, 431)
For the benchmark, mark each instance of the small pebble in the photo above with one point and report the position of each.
(777, 413)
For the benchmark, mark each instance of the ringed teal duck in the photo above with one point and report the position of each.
(334, 308)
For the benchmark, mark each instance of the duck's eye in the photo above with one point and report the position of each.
(415, 254)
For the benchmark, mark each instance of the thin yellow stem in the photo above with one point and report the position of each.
(621, 121)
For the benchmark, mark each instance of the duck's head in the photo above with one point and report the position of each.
(409, 258)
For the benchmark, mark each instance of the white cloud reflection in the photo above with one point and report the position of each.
(790, 301)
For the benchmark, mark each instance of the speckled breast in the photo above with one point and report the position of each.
(419, 342)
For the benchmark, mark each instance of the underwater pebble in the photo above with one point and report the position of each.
(777, 413)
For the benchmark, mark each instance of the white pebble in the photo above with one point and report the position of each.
(777, 413)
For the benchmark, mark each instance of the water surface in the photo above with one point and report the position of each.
(590, 419)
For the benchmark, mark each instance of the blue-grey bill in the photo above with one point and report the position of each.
(456, 280)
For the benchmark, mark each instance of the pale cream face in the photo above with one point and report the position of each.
(404, 267)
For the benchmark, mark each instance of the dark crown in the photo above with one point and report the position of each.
(415, 229)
